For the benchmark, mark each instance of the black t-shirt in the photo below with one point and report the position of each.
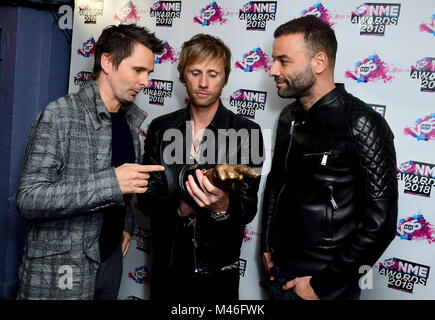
(122, 152)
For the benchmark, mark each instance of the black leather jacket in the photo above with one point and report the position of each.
(216, 243)
(330, 203)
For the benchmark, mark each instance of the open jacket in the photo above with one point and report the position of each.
(330, 203)
(217, 243)
(66, 182)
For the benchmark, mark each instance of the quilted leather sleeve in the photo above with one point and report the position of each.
(375, 228)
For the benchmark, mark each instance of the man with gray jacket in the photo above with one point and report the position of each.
(79, 172)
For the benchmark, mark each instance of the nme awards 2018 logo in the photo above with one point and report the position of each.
(370, 69)
(90, 10)
(143, 239)
(128, 13)
(88, 48)
(419, 177)
(416, 228)
(424, 70)
(320, 12)
(257, 13)
(423, 129)
(158, 90)
(211, 14)
(81, 77)
(404, 275)
(254, 60)
(165, 12)
(374, 17)
(429, 27)
(248, 101)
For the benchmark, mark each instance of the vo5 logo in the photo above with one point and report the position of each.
(364, 69)
(409, 227)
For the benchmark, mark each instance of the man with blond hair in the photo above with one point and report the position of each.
(197, 226)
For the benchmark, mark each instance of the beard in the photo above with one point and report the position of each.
(297, 85)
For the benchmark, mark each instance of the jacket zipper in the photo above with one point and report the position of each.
(323, 154)
(334, 207)
(292, 125)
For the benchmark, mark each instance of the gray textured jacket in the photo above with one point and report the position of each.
(66, 182)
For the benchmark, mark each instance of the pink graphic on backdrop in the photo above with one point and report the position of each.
(407, 167)
(128, 13)
(211, 14)
(424, 128)
(416, 228)
(88, 48)
(429, 27)
(320, 12)
(140, 275)
(425, 64)
(248, 235)
(370, 70)
(254, 60)
(168, 55)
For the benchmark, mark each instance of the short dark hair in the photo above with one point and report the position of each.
(118, 41)
(318, 35)
(201, 47)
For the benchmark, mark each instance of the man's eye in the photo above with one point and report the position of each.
(213, 75)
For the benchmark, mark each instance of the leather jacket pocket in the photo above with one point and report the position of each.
(331, 206)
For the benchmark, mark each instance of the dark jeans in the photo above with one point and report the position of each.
(109, 276)
(217, 286)
(275, 291)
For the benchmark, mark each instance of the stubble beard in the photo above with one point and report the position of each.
(298, 85)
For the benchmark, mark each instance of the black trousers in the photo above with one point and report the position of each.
(108, 278)
(217, 286)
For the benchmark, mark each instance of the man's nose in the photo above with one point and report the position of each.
(273, 71)
(203, 81)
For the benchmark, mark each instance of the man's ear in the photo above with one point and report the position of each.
(106, 63)
(319, 62)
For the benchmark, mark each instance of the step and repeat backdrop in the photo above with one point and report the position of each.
(386, 57)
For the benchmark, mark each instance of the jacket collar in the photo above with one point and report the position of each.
(98, 113)
(330, 97)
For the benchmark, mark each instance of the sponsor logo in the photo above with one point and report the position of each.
(90, 10)
(424, 70)
(165, 12)
(143, 239)
(248, 101)
(257, 13)
(242, 267)
(88, 48)
(254, 60)
(140, 275)
(419, 177)
(81, 77)
(404, 275)
(158, 90)
(416, 228)
(168, 54)
(320, 12)
(369, 70)
(128, 13)
(379, 108)
(211, 14)
(423, 129)
(373, 18)
(429, 27)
